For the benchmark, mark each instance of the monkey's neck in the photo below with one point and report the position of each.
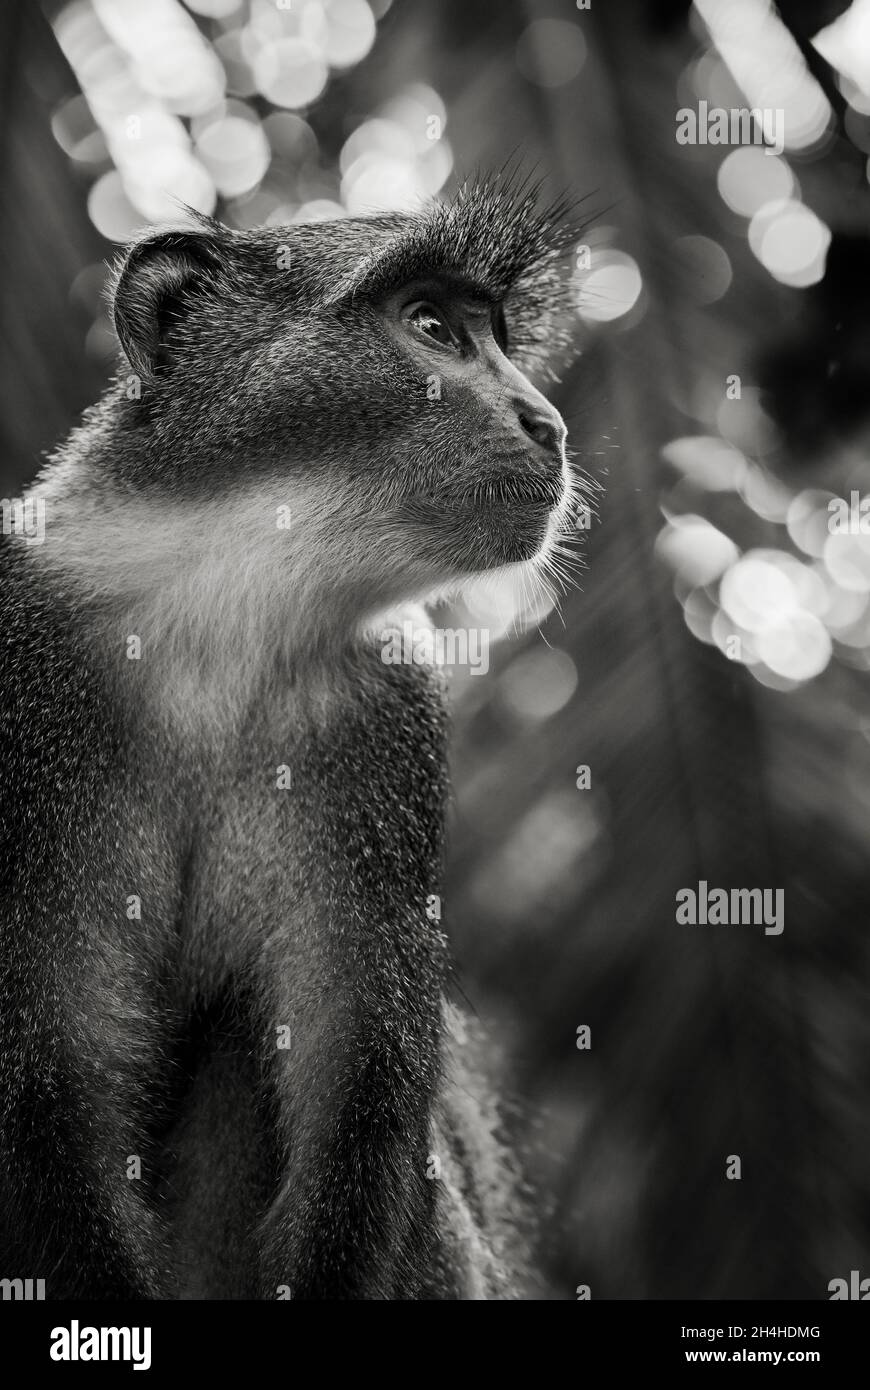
(197, 607)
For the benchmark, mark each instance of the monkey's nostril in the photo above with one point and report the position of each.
(543, 430)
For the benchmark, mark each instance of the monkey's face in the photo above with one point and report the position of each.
(436, 456)
(366, 377)
(479, 460)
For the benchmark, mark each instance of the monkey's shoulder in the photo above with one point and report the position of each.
(62, 737)
(50, 685)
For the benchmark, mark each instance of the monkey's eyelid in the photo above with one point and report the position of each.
(471, 296)
(466, 295)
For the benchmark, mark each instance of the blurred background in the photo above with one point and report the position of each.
(710, 668)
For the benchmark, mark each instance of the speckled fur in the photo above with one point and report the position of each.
(264, 1171)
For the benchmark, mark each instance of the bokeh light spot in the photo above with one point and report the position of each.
(350, 32)
(551, 52)
(111, 211)
(807, 520)
(537, 684)
(704, 268)
(708, 462)
(791, 242)
(695, 550)
(847, 559)
(290, 72)
(236, 153)
(610, 288)
(798, 648)
(748, 178)
(757, 593)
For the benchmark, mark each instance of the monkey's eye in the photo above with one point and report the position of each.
(426, 319)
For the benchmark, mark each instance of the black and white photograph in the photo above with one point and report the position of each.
(435, 669)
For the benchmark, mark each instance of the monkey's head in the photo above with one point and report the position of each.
(368, 374)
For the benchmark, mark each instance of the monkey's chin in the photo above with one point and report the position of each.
(496, 535)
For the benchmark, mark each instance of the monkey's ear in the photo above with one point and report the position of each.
(155, 284)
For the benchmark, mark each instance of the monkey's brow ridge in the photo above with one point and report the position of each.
(462, 287)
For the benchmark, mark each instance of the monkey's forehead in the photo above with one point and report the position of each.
(500, 242)
(489, 236)
(333, 252)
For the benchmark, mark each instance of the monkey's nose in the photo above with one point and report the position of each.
(546, 428)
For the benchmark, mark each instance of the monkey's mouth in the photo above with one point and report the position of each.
(525, 490)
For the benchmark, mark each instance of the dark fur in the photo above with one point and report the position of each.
(262, 1169)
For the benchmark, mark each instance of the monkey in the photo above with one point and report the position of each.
(225, 1054)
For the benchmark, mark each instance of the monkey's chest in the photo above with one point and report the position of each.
(324, 850)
